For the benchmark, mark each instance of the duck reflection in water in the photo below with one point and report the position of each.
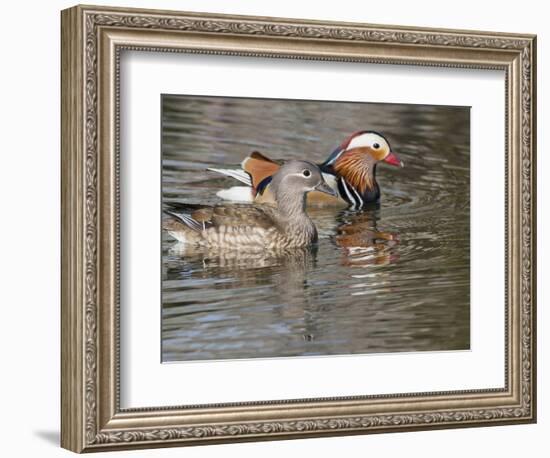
(285, 271)
(362, 243)
(218, 261)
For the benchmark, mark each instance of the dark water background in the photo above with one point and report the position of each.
(400, 283)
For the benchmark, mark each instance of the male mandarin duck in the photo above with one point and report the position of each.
(350, 171)
(278, 226)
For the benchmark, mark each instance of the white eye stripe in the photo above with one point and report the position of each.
(368, 139)
(301, 175)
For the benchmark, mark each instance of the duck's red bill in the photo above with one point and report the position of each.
(393, 159)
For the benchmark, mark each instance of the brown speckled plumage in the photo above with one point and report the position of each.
(234, 226)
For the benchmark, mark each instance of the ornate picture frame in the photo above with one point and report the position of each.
(93, 39)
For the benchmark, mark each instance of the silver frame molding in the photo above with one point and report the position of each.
(92, 40)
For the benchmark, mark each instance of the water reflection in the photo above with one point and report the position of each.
(245, 266)
(363, 244)
(393, 278)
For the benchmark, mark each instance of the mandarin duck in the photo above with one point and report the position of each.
(281, 225)
(350, 171)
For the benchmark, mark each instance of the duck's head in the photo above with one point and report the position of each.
(299, 178)
(292, 182)
(356, 158)
(371, 144)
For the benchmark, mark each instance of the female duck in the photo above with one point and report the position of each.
(255, 227)
(350, 171)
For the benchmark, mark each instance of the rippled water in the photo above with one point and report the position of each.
(388, 279)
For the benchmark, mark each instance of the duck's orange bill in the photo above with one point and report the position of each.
(394, 160)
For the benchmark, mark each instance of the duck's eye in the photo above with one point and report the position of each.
(376, 145)
(306, 173)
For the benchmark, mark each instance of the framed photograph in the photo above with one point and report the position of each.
(277, 228)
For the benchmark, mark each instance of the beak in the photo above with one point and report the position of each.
(393, 159)
(324, 187)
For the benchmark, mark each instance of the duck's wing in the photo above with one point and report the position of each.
(238, 174)
(263, 194)
(254, 169)
(194, 217)
(199, 217)
(259, 167)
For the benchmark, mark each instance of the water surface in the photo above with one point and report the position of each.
(388, 279)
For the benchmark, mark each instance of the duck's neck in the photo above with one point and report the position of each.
(293, 219)
(358, 170)
(291, 206)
